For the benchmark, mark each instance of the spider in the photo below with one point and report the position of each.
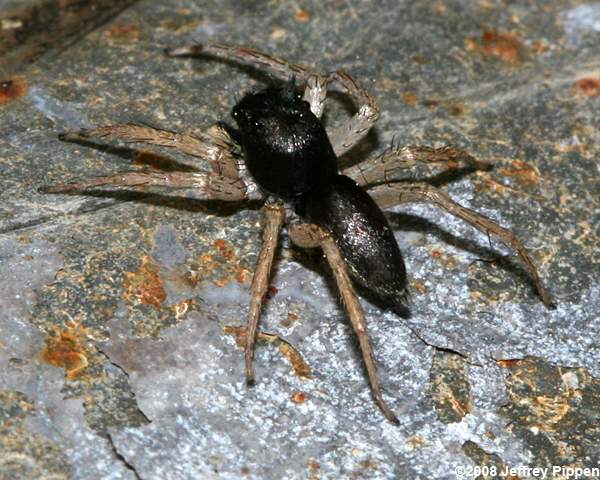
(281, 154)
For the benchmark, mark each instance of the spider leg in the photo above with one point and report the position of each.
(388, 166)
(310, 236)
(215, 145)
(206, 186)
(396, 193)
(273, 220)
(349, 133)
(343, 137)
(315, 94)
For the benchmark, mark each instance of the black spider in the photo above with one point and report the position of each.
(291, 159)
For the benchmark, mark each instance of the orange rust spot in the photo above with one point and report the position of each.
(505, 46)
(302, 16)
(145, 285)
(64, 349)
(271, 292)
(299, 397)
(588, 86)
(239, 333)
(508, 362)
(416, 441)
(314, 467)
(226, 250)
(12, 89)
(419, 286)
(487, 183)
(300, 367)
(290, 320)
(445, 260)
(522, 173)
(128, 32)
(540, 47)
(223, 263)
(409, 98)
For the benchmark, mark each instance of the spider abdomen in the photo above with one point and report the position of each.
(362, 234)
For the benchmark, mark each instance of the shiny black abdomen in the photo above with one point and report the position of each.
(362, 234)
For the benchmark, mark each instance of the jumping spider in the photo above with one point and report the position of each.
(287, 156)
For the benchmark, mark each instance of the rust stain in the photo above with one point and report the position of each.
(11, 89)
(522, 172)
(302, 16)
(299, 366)
(226, 250)
(290, 320)
(493, 43)
(487, 183)
(239, 333)
(224, 264)
(419, 286)
(299, 397)
(416, 441)
(144, 286)
(271, 292)
(446, 260)
(552, 409)
(588, 86)
(509, 362)
(64, 348)
(409, 98)
(124, 32)
(314, 467)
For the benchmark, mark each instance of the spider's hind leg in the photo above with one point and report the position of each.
(310, 236)
(392, 194)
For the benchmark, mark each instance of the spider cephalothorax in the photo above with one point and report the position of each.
(290, 155)
(286, 148)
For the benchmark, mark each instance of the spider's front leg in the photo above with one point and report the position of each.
(206, 186)
(311, 236)
(392, 194)
(389, 165)
(215, 145)
(274, 215)
(343, 137)
(224, 183)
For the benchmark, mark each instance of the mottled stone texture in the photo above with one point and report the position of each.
(114, 362)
